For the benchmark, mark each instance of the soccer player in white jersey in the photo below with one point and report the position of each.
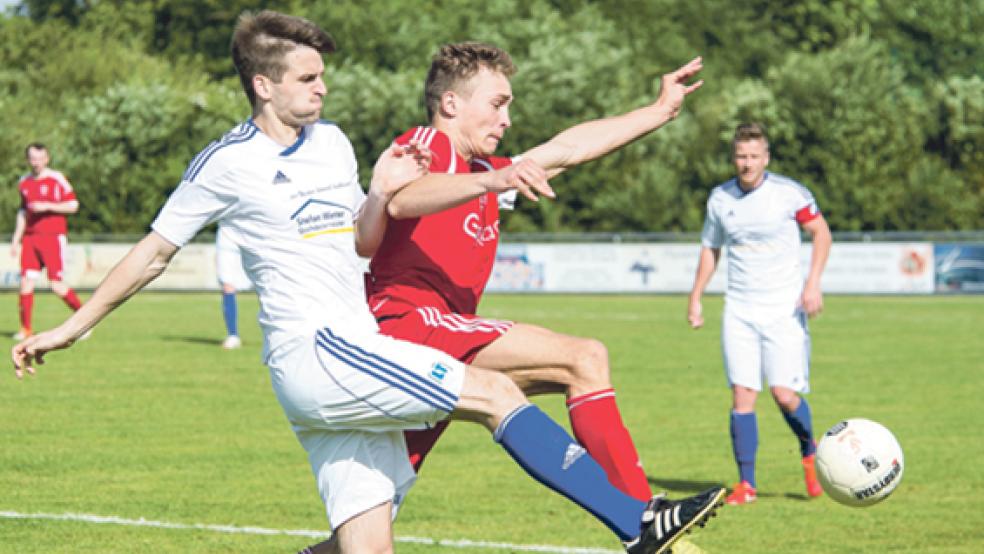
(758, 216)
(286, 183)
(232, 278)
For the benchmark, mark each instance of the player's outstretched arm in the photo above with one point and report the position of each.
(437, 192)
(812, 299)
(141, 265)
(592, 139)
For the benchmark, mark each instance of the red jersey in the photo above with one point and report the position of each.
(49, 186)
(442, 259)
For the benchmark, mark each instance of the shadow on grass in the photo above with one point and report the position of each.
(682, 485)
(193, 340)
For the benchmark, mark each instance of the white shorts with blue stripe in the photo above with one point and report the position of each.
(349, 398)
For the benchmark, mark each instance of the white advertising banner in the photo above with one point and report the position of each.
(853, 267)
(669, 268)
(192, 268)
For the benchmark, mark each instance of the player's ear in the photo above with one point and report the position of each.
(449, 104)
(261, 87)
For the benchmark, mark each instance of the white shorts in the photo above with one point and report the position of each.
(770, 341)
(229, 262)
(349, 399)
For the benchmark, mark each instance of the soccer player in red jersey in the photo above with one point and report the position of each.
(439, 248)
(46, 198)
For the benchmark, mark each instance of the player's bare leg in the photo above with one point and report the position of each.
(370, 532)
(540, 361)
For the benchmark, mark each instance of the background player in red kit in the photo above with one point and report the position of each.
(46, 198)
(430, 271)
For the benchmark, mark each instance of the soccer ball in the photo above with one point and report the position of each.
(859, 462)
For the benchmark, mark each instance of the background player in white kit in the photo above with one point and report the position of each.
(232, 278)
(758, 216)
(287, 185)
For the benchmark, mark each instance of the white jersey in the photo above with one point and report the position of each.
(761, 232)
(293, 211)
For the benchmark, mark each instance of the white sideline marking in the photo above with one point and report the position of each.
(462, 543)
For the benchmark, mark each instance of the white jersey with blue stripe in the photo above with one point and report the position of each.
(762, 236)
(293, 211)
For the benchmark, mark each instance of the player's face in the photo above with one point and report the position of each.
(37, 159)
(484, 112)
(751, 158)
(296, 99)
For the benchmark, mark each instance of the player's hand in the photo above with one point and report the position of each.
(398, 166)
(812, 301)
(695, 314)
(674, 88)
(13, 250)
(526, 176)
(32, 350)
(38, 207)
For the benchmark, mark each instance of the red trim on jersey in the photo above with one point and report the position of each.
(807, 213)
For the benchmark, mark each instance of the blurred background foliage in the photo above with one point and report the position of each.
(876, 105)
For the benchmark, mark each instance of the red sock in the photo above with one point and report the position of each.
(26, 307)
(420, 443)
(72, 300)
(598, 426)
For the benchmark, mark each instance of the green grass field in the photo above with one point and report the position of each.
(151, 421)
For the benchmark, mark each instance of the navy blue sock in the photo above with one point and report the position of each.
(229, 313)
(548, 453)
(801, 422)
(744, 442)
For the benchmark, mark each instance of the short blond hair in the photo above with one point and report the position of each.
(749, 131)
(455, 63)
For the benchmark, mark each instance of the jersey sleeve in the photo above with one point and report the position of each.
(712, 235)
(804, 205)
(193, 205)
(443, 160)
(65, 191)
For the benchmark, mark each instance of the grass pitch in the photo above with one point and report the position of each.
(151, 421)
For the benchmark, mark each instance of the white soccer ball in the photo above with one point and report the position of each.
(859, 462)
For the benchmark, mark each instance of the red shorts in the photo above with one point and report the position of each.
(39, 251)
(461, 336)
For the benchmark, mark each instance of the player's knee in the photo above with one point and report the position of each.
(787, 399)
(743, 399)
(491, 396)
(590, 365)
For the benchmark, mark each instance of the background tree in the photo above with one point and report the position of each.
(877, 105)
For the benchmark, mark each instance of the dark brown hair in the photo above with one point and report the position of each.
(261, 40)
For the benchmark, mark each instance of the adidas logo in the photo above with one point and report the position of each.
(280, 178)
(574, 451)
(731, 213)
